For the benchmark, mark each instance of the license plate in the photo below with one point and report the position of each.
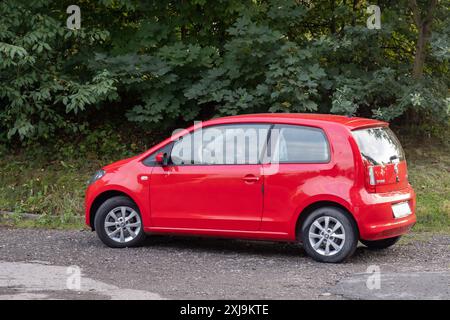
(401, 210)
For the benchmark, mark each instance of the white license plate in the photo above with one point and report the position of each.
(401, 210)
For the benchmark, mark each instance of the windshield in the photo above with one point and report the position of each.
(379, 146)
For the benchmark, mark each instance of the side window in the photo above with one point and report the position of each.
(182, 151)
(150, 161)
(299, 144)
(223, 144)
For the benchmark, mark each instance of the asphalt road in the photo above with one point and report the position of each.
(34, 265)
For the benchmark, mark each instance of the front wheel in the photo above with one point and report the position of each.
(380, 244)
(118, 223)
(329, 235)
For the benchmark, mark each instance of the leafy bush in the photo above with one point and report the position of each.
(43, 83)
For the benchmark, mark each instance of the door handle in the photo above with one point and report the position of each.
(250, 178)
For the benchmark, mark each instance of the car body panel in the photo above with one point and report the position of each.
(203, 197)
(126, 179)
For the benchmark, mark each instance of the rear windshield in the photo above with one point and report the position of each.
(379, 145)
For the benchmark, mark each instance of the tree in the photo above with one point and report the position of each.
(172, 61)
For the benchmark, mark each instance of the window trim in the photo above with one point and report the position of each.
(322, 131)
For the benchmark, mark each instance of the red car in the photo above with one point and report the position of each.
(325, 181)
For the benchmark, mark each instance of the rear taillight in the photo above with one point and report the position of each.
(372, 181)
(370, 178)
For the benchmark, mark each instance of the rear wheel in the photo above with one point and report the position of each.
(118, 223)
(329, 235)
(380, 244)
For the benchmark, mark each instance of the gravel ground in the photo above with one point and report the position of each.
(204, 268)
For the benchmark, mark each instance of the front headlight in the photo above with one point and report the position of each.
(97, 175)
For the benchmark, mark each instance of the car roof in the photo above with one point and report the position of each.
(307, 119)
(303, 118)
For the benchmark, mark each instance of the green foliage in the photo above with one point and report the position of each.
(163, 62)
(260, 71)
(42, 83)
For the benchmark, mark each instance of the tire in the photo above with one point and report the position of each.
(380, 244)
(345, 237)
(115, 211)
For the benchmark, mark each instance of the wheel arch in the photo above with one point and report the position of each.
(100, 199)
(307, 210)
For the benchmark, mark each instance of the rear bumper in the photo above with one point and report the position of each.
(376, 220)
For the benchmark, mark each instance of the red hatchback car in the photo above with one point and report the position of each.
(325, 181)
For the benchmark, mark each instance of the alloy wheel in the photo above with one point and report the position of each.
(327, 235)
(123, 224)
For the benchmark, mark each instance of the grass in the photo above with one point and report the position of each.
(34, 181)
(429, 174)
(54, 190)
(51, 180)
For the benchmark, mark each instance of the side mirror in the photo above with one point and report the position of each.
(162, 158)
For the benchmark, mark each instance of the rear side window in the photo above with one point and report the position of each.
(379, 146)
(297, 144)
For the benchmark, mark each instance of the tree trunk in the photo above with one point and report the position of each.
(333, 17)
(419, 57)
(423, 25)
(355, 4)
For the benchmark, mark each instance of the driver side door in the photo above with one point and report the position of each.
(213, 180)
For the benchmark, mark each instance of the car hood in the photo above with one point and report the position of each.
(118, 164)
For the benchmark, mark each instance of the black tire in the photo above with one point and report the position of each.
(380, 244)
(351, 234)
(101, 215)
